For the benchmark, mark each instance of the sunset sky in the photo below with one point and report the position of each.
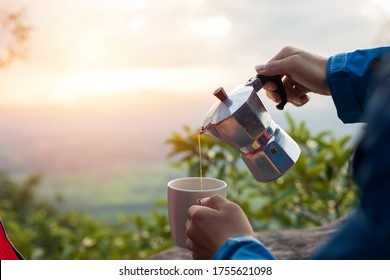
(83, 50)
(125, 74)
(104, 83)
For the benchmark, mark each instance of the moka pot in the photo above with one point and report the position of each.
(241, 120)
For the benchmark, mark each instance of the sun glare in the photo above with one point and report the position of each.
(95, 83)
(137, 23)
(215, 26)
(91, 50)
(126, 5)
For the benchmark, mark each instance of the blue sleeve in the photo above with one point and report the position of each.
(366, 234)
(349, 75)
(243, 248)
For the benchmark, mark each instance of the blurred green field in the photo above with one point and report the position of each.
(109, 192)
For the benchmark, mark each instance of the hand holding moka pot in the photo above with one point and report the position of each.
(242, 121)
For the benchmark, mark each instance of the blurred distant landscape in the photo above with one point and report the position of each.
(104, 160)
(91, 90)
(92, 105)
(111, 158)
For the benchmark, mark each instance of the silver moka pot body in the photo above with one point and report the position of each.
(241, 120)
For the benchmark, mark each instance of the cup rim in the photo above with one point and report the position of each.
(197, 178)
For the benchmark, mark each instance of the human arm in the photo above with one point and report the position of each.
(345, 77)
(359, 93)
(349, 76)
(362, 236)
(366, 234)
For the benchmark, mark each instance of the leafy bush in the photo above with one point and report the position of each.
(39, 231)
(317, 189)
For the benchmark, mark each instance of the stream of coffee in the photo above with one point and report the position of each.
(200, 161)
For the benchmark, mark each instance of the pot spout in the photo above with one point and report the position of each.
(209, 129)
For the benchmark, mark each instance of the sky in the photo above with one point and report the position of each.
(151, 66)
(89, 49)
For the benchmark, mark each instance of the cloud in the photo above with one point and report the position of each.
(144, 33)
(255, 31)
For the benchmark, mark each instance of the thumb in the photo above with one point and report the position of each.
(280, 63)
(272, 68)
(215, 202)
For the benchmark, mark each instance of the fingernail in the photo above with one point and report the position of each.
(202, 201)
(260, 67)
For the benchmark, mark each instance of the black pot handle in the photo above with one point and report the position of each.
(280, 88)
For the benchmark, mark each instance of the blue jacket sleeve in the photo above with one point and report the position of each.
(366, 234)
(349, 75)
(243, 248)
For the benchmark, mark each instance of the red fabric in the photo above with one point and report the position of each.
(7, 251)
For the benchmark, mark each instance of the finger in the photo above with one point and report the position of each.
(270, 86)
(192, 210)
(215, 202)
(296, 98)
(279, 64)
(197, 249)
(286, 52)
(299, 100)
(273, 96)
(288, 83)
(300, 90)
(189, 244)
(296, 93)
(272, 68)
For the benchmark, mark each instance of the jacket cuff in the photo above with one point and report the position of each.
(243, 247)
(344, 97)
(349, 76)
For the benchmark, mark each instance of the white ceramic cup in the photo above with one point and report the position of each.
(182, 194)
